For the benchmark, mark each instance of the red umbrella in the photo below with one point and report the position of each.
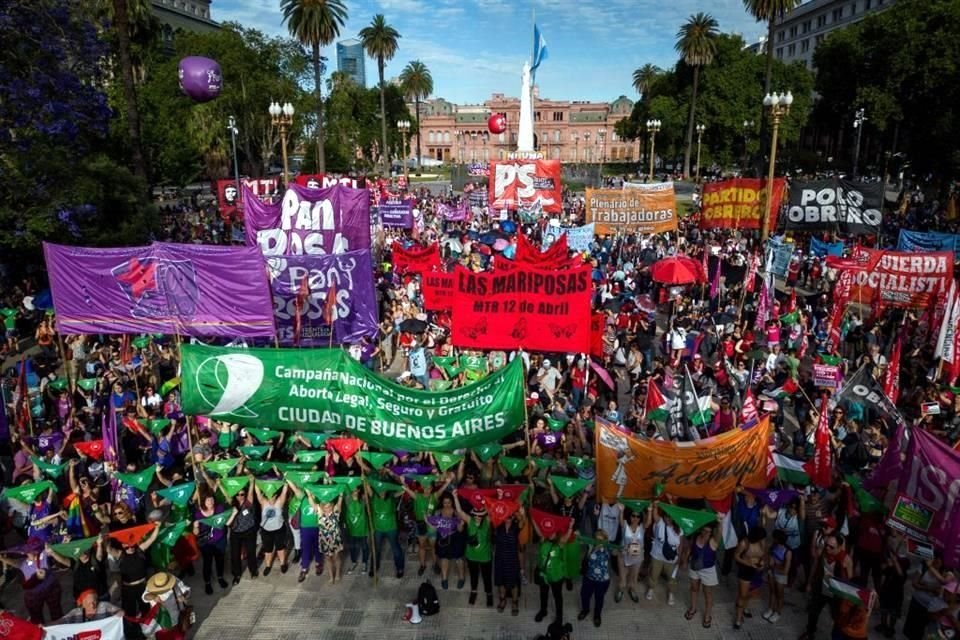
(678, 270)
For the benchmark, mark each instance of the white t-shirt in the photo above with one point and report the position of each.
(551, 378)
(609, 519)
(662, 533)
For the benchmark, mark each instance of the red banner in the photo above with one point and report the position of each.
(415, 259)
(438, 291)
(524, 308)
(230, 201)
(899, 278)
(735, 203)
(598, 325)
(322, 181)
(555, 257)
(525, 184)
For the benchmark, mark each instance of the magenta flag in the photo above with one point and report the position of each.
(309, 221)
(108, 432)
(192, 290)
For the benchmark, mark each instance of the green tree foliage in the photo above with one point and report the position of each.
(901, 66)
(186, 140)
(417, 83)
(380, 42)
(697, 46)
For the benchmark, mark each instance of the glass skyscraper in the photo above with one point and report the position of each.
(350, 60)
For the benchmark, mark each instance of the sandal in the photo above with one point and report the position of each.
(690, 613)
(502, 605)
(707, 621)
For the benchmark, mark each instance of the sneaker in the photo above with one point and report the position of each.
(421, 570)
(460, 584)
(473, 598)
(649, 595)
(633, 595)
(352, 569)
(444, 584)
(670, 600)
(766, 614)
(773, 618)
(596, 621)
(618, 597)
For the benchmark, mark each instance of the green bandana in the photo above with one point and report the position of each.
(221, 467)
(446, 460)
(140, 481)
(514, 466)
(74, 548)
(376, 460)
(487, 451)
(568, 487)
(180, 494)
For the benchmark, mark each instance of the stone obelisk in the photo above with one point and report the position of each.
(525, 132)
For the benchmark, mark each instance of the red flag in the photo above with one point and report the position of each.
(134, 425)
(92, 449)
(841, 295)
(792, 302)
(298, 303)
(501, 510)
(22, 408)
(706, 261)
(330, 306)
(549, 524)
(13, 627)
(715, 285)
(125, 354)
(748, 413)
(345, 447)
(752, 272)
(510, 491)
(132, 535)
(477, 497)
(820, 468)
(891, 382)
(953, 371)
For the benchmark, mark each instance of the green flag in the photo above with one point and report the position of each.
(384, 487)
(324, 492)
(580, 463)
(140, 480)
(87, 384)
(689, 520)
(270, 488)
(352, 482)
(545, 463)
(634, 504)
(308, 456)
(383, 414)
(790, 318)
(179, 494)
(170, 533)
(866, 501)
(49, 470)
(439, 384)
(141, 342)
(157, 425)
(74, 548)
(221, 467)
(555, 425)
(831, 360)
(259, 466)
(586, 540)
(568, 487)
(263, 435)
(255, 451)
(233, 485)
(376, 459)
(487, 451)
(217, 520)
(27, 493)
(513, 466)
(58, 385)
(315, 438)
(448, 364)
(169, 386)
(301, 478)
(446, 460)
(422, 480)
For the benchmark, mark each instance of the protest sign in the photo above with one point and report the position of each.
(911, 517)
(780, 253)
(898, 278)
(826, 376)
(438, 291)
(835, 205)
(643, 208)
(301, 284)
(453, 214)
(326, 389)
(525, 307)
(579, 239)
(110, 628)
(396, 213)
(310, 221)
(194, 290)
(736, 203)
(415, 259)
(926, 241)
(712, 468)
(230, 199)
(526, 184)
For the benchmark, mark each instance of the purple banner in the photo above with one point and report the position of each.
(931, 475)
(193, 290)
(454, 214)
(397, 213)
(350, 274)
(310, 221)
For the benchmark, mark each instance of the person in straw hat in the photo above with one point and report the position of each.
(168, 598)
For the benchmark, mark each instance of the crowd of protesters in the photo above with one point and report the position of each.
(614, 554)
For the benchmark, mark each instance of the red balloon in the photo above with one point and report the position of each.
(497, 123)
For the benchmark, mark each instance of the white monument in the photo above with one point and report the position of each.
(525, 131)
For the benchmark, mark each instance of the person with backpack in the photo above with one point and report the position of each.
(479, 553)
(663, 552)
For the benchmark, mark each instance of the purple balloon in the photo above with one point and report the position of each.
(200, 78)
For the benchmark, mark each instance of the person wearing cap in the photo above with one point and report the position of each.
(168, 599)
(89, 608)
(549, 378)
(479, 553)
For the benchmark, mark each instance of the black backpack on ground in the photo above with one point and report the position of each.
(427, 600)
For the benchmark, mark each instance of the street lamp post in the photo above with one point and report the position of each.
(232, 127)
(779, 106)
(653, 126)
(747, 128)
(282, 117)
(576, 148)
(403, 126)
(602, 138)
(858, 119)
(700, 129)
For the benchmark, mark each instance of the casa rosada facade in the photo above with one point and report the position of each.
(564, 130)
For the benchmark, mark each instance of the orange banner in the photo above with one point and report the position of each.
(628, 467)
(649, 208)
(735, 203)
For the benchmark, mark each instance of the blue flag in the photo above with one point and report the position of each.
(539, 50)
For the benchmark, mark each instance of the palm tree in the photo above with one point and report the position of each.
(315, 23)
(380, 41)
(643, 79)
(769, 11)
(417, 83)
(697, 45)
(121, 20)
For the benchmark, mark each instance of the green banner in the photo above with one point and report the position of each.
(324, 389)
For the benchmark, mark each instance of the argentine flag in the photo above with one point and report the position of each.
(539, 50)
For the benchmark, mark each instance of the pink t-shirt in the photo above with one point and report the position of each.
(773, 335)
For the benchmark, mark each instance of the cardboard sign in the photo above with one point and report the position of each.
(911, 516)
(826, 376)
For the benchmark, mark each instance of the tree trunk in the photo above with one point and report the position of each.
(416, 101)
(121, 18)
(321, 156)
(693, 108)
(385, 154)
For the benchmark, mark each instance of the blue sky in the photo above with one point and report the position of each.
(477, 47)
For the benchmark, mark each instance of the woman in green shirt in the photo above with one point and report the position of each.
(551, 572)
(424, 503)
(309, 521)
(479, 552)
(384, 508)
(358, 530)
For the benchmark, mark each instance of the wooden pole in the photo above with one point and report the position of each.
(193, 462)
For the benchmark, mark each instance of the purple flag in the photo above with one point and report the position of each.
(397, 213)
(351, 275)
(193, 290)
(444, 526)
(412, 469)
(108, 431)
(309, 221)
(775, 498)
(889, 467)
(455, 214)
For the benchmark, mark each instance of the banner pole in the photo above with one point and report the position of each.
(696, 396)
(193, 461)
